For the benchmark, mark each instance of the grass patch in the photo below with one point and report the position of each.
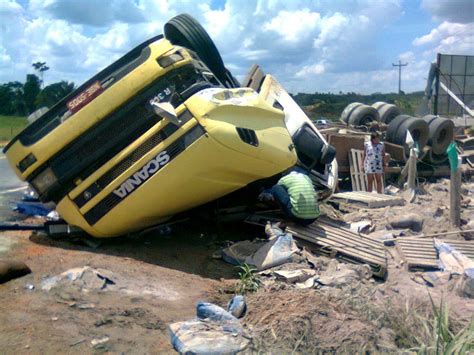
(248, 280)
(10, 126)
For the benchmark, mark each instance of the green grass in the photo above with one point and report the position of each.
(10, 126)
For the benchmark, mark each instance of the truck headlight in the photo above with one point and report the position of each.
(44, 180)
(170, 59)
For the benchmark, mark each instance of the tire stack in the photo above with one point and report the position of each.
(400, 125)
(387, 112)
(358, 114)
(441, 134)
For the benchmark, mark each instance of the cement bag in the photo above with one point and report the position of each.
(452, 260)
(205, 337)
(237, 306)
(275, 252)
(205, 310)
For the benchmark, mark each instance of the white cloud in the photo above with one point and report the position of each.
(450, 38)
(292, 26)
(308, 45)
(458, 11)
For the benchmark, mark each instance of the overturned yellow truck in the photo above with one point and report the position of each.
(162, 130)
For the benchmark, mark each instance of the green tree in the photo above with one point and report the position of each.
(51, 94)
(40, 67)
(31, 89)
(11, 99)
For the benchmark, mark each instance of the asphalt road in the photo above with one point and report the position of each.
(11, 190)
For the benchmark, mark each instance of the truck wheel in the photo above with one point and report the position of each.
(348, 111)
(418, 129)
(363, 115)
(387, 112)
(393, 127)
(184, 30)
(441, 133)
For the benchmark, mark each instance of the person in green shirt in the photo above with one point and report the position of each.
(297, 197)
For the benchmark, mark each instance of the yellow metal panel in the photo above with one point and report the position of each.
(203, 172)
(96, 110)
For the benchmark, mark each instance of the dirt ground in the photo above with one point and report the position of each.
(159, 278)
(163, 277)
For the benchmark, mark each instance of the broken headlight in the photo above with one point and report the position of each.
(44, 181)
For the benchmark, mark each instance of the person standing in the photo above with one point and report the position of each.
(296, 196)
(374, 162)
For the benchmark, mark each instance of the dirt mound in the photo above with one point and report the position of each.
(306, 321)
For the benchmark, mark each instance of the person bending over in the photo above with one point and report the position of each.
(296, 196)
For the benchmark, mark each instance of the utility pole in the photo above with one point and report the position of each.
(400, 65)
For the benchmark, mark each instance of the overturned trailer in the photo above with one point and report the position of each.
(162, 130)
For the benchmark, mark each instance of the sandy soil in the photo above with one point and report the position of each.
(163, 278)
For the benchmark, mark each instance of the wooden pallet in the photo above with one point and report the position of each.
(420, 253)
(329, 238)
(358, 177)
(335, 241)
(368, 199)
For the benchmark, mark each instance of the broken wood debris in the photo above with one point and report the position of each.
(343, 244)
(421, 254)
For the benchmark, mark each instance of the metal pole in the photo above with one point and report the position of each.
(399, 65)
(455, 198)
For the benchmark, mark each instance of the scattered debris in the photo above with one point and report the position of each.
(11, 269)
(237, 306)
(465, 286)
(325, 237)
(420, 253)
(294, 276)
(84, 278)
(368, 199)
(99, 341)
(340, 274)
(215, 331)
(261, 254)
(411, 221)
(451, 259)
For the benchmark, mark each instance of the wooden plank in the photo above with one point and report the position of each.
(368, 199)
(358, 177)
(421, 253)
(347, 244)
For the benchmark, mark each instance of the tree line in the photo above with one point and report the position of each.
(330, 106)
(21, 99)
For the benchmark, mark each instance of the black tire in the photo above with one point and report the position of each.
(363, 115)
(393, 127)
(184, 30)
(378, 105)
(429, 118)
(387, 112)
(346, 113)
(441, 134)
(418, 129)
(435, 159)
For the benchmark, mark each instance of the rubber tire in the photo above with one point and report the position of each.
(346, 113)
(435, 159)
(387, 112)
(441, 133)
(393, 127)
(418, 129)
(184, 30)
(363, 115)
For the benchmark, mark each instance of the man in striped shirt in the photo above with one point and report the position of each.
(297, 197)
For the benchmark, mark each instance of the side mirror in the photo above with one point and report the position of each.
(166, 110)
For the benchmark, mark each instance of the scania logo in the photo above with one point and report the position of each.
(143, 174)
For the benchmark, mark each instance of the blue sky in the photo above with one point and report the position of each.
(318, 45)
